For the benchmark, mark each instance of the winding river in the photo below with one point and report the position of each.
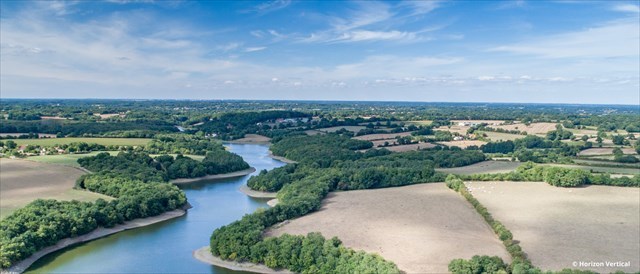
(167, 247)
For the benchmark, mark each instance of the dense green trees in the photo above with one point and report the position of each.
(498, 147)
(478, 264)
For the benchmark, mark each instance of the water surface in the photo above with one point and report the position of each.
(167, 247)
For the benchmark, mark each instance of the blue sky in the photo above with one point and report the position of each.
(458, 51)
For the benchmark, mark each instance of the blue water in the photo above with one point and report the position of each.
(167, 247)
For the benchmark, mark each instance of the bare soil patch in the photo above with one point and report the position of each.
(534, 128)
(463, 143)
(559, 226)
(24, 181)
(419, 227)
(483, 167)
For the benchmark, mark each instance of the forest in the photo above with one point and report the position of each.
(135, 179)
(325, 163)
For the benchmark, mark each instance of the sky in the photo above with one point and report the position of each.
(431, 51)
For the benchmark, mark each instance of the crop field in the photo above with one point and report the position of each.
(595, 162)
(497, 136)
(559, 226)
(419, 227)
(101, 141)
(382, 136)
(534, 128)
(24, 181)
(483, 167)
(604, 151)
(463, 144)
(253, 139)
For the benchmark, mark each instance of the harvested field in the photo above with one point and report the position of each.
(558, 226)
(463, 144)
(462, 130)
(483, 167)
(419, 227)
(24, 181)
(101, 141)
(580, 132)
(604, 151)
(385, 136)
(253, 139)
(534, 128)
(497, 136)
(334, 129)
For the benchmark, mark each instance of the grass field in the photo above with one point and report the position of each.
(558, 226)
(419, 227)
(24, 181)
(72, 159)
(420, 123)
(483, 167)
(595, 162)
(101, 141)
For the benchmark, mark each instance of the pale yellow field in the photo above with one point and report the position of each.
(24, 181)
(534, 128)
(497, 136)
(604, 151)
(559, 226)
(419, 227)
(455, 128)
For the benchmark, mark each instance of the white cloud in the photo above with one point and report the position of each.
(615, 39)
(627, 8)
(253, 49)
(268, 7)
(229, 46)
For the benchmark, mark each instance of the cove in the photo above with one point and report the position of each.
(167, 247)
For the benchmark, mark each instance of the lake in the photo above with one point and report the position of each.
(167, 247)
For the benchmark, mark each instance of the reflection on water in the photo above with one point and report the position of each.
(167, 247)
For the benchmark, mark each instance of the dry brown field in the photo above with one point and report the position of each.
(419, 227)
(559, 226)
(479, 121)
(24, 181)
(410, 147)
(496, 136)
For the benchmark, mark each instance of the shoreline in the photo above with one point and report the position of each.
(273, 202)
(240, 173)
(281, 159)
(257, 194)
(99, 232)
(204, 255)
